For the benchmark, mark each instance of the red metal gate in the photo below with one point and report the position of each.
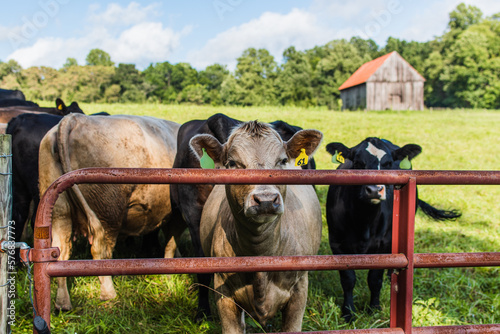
(402, 257)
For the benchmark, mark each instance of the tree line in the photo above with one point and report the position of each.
(461, 68)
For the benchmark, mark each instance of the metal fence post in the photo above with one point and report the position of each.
(7, 231)
(403, 236)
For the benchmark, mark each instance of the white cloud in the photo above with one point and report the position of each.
(141, 42)
(272, 31)
(118, 15)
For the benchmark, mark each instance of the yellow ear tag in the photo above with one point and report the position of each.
(338, 158)
(206, 162)
(302, 159)
(59, 107)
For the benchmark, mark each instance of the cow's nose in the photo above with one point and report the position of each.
(261, 199)
(372, 191)
(267, 203)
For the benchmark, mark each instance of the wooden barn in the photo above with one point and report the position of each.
(385, 83)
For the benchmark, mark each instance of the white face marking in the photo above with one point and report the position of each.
(376, 152)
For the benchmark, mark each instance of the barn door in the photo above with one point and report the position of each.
(395, 101)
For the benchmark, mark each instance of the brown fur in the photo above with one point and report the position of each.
(102, 211)
(230, 227)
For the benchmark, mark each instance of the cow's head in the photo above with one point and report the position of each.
(255, 145)
(377, 154)
(73, 107)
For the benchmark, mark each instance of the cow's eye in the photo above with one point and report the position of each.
(282, 162)
(231, 164)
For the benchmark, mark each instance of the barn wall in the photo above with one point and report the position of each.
(395, 95)
(354, 98)
(395, 85)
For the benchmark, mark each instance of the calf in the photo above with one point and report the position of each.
(360, 217)
(188, 200)
(260, 220)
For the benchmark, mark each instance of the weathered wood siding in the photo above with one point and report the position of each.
(354, 98)
(395, 85)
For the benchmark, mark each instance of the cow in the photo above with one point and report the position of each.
(17, 103)
(188, 199)
(359, 217)
(6, 94)
(27, 131)
(103, 211)
(260, 220)
(8, 113)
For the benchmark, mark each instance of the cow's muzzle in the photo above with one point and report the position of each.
(264, 206)
(374, 193)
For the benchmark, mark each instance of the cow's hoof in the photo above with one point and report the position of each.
(348, 315)
(203, 315)
(108, 295)
(63, 306)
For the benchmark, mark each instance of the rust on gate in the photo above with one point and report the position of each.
(403, 258)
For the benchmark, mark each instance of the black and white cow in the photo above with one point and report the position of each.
(359, 217)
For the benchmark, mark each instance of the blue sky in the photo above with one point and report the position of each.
(204, 32)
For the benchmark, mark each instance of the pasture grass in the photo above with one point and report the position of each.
(451, 140)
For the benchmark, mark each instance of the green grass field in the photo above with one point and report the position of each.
(451, 140)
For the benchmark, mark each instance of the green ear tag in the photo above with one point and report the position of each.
(405, 163)
(302, 159)
(206, 162)
(337, 158)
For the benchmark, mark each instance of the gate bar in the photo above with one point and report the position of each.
(43, 228)
(223, 265)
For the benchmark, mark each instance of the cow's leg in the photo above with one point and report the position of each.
(231, 316)
(204, 280)
(173, 230)
(375, 278)
(348, 281)
(293, 313)
(61, 238)
(102, 249)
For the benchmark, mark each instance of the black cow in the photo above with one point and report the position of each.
(27, 131)
(11, 94)
(16, 103)
(189, 199)
(360, 217)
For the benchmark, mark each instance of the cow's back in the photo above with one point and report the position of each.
(118, 141)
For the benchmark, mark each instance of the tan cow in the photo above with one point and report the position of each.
(260, 220)
(103, 211)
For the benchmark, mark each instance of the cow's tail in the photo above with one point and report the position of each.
(438, 214)
(96, 231)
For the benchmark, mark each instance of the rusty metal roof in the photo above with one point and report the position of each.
(366, 70)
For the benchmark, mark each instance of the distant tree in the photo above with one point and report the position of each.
(9, 67)
(98, 57)
(256, 72)
(366, 46)
(212, 78)
(294, 81)
(464, 16)
(70, 62)
(341, 60)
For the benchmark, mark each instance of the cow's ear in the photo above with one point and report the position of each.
(74, 108)
(309, 140)
(60, 105)
(210, 144)
(334, 148)
(409, 150)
